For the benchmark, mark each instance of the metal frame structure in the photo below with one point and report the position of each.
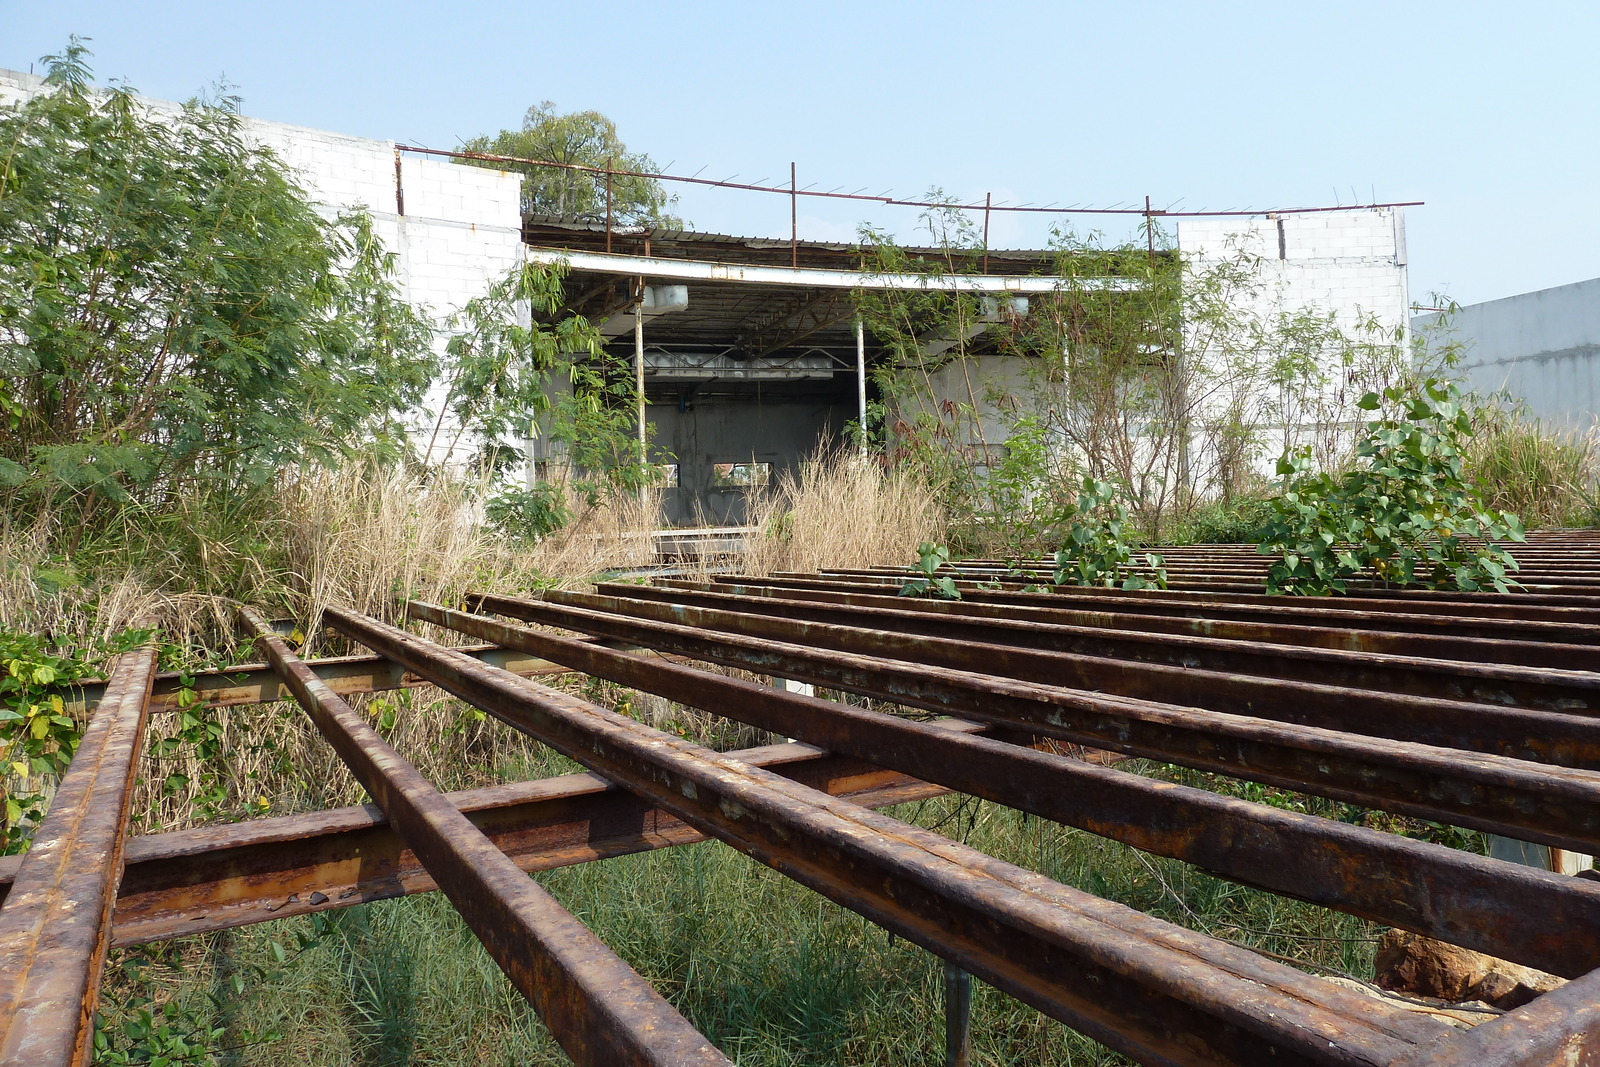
(1480, 710)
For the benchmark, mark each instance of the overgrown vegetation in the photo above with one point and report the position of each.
(171, 319)
(1546, 475)
(836, 511)
(205, 396)
(1403, 513)
(513, 379)
(1167, 377)
(1096, 550)
(37, 736)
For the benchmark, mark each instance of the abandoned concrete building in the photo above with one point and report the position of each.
(750, 351)
(1458, 710)
(748, 346)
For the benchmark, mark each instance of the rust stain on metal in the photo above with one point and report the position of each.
(55, 925)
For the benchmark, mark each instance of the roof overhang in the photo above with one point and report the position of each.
(690, 270)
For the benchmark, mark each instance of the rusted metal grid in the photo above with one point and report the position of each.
(1478, 710)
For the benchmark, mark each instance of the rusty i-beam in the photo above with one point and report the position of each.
(1507, 911)
(1478, 710)
(1550, 804)
(55, 925)
(1153, 990)
(210, 878)
(595, 1005)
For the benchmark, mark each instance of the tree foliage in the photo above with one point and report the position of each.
(174, 311)
(1168, 376)
(584, 139)
(515, 377)
(1403, 513)
(931, 416)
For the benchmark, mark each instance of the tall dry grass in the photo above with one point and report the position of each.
(1547, 476)
(370, 538)
(608, 535)
(838, 511)
(363, 536)
(72, 602)
(373, 538)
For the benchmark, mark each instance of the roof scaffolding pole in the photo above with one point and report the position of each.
(638, 373)
(861, 387)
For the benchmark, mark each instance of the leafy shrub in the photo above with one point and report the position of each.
(1096, 551)
(37, 736)
(1405, 513)
(1239, 521)
(929, 583)
(174, 312)
(531, 514)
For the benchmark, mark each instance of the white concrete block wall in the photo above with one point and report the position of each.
(1351, 263)
(462, 228)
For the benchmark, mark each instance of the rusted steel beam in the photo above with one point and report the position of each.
(1573, 687)
(1559, 1029)
(56, 921)
(596, 1006)
(1145, 987)
(215, 877)
(788, 602)
(1566, 738)
(258, 683)
(1513, 797)
(1521, 606)
(1447, 637)
(1312, 611)
(1503, 909)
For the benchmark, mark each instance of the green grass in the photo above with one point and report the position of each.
(771, 972)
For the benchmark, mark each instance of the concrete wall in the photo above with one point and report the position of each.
(1543, 348)
(710, 431)
(1352, 263)
(462, 227)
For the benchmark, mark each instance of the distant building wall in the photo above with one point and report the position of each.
(1543, 348)
(709, 431)
(462, 227)
(1352, 263)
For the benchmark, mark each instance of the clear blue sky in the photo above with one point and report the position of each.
(1486, 111)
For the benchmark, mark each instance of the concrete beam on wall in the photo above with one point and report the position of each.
(690, 270)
